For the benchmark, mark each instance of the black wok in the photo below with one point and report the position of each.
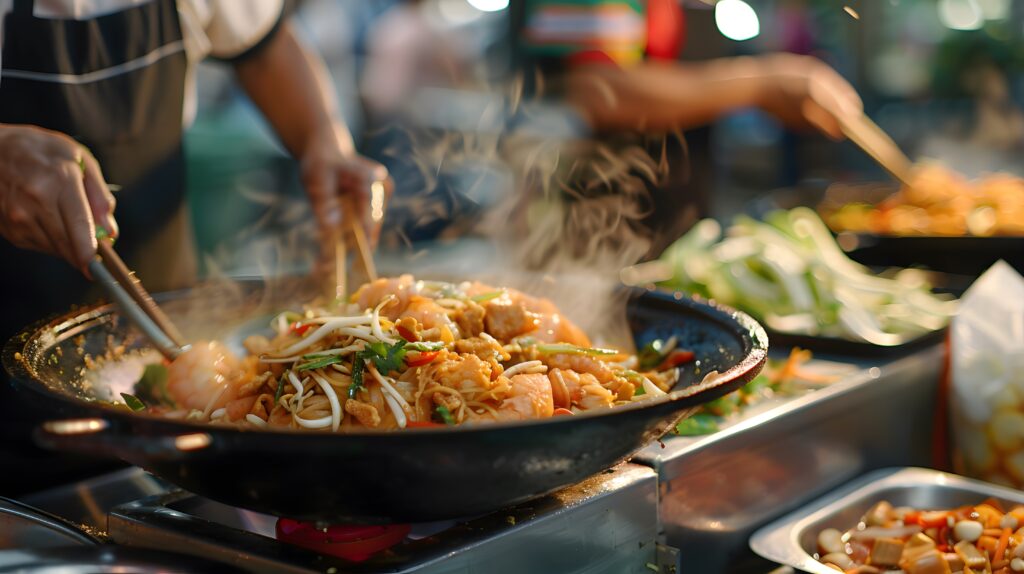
(410, 476)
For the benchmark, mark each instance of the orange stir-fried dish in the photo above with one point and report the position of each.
(981, 539)
(939, 202)
(404, 353)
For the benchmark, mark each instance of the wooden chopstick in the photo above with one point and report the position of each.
(876, 143)
(363, 252)
(113, 262)
(340, 271)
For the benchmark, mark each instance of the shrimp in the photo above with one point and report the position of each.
(428, 314)
(582, 364)
(371, 294)
(206, 377)
(530, 398)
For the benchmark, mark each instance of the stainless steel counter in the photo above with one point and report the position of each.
(716, 490)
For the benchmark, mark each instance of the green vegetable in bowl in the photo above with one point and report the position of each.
(789, 272)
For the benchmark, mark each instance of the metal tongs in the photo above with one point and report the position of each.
(134, 301)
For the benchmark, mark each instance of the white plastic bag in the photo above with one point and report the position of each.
(987, 370)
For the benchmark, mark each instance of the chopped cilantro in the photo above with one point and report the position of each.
(152, 386)
(385, 357)
(280, 389)
(133, 402)
(445, 415)
(358, 365)
(651, 355)
(319, 363)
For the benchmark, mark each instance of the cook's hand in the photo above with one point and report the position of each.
(52, 194)
(336, 178)
(804, 91)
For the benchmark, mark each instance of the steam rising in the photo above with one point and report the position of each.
(561, 213)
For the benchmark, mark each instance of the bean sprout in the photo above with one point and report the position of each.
(320, 423)
(389, 390)
(213, 400)
(255, 420)
(316, 355)
(375, 323)
(395, 408)
(652, 389)
(323, 331)
(332, 397)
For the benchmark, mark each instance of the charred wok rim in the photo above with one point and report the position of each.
(754, 339)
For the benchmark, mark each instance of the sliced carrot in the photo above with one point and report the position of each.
(560, 411)
(988, 544)
(1004, 539)
(796, 357)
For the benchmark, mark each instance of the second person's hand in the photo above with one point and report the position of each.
(805, 92)
(335, 177)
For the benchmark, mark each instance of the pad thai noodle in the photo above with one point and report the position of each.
(404, 353)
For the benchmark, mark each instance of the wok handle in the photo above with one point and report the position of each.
(100, 436)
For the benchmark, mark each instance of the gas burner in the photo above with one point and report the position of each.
(353, 542)
(607, 523)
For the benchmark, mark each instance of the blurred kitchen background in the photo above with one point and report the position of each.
(943, 77)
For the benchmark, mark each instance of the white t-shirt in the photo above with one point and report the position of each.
(218, 28)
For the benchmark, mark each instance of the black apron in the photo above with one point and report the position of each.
(116, 84)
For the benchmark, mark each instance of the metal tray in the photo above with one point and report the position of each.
(791, 540)
(717, 490)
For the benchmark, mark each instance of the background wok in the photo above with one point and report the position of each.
(421, 475)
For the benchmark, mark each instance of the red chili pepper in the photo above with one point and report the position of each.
(423, 358)
(562, 412)
(676, 358)
(407, 334)
(422, 424)
(935, 519)
(300, 328)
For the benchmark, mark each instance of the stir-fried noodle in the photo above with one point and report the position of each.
(405, 353)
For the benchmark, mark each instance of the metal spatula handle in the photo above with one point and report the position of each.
(133, 312)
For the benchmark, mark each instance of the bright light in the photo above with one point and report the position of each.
(736, 20)
(960, 14)
(488, 5)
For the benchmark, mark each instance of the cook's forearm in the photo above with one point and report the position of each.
(663, 96)
(291, 86)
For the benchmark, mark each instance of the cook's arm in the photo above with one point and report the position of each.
(664, 96)
(291, 86)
